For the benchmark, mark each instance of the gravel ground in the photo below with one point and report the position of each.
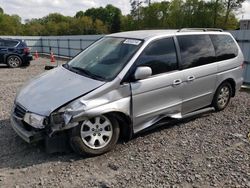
(211, 150)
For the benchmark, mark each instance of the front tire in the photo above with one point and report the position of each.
(95, 136)
(14, 61)
(222, 96)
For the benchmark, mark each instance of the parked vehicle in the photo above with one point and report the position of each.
(14, 53)
(127, 82)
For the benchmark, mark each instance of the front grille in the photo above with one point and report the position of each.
(19, 111)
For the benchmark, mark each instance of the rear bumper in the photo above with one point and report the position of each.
(29, 136)
(238, 84)
(27, 58)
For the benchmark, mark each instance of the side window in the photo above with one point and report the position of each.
(160, 56)
(10, 43)
(225, 47)
(196, 50)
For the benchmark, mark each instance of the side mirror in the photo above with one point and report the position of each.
(142, 73)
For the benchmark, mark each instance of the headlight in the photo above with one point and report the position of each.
(57, 118)
(35, 120)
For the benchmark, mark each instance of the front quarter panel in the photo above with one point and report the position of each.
(116, 100)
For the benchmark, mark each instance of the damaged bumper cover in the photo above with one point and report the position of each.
(27, 133)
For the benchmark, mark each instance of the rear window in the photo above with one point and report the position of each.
(196, 50)
(10, 43)
(23, 44)
(225, 47)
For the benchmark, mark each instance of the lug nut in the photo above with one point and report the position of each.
(94, 134)
(93, 129)
(97, 126)
(99, 134)
(100, 129)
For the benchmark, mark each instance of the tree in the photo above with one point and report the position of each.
(216, 7)
(1, 11)
(79, 14)
(110, 15)
(176, 14)
(114, 18)
(136, 13)
(100, 27)
(144, 15)
(231, 5)
(155, 15)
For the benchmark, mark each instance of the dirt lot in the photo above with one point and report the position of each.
(209, 151)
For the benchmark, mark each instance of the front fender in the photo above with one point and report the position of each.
(121, 105)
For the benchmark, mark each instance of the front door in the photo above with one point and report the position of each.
(159, 95)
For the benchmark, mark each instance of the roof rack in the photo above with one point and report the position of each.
(200, 29)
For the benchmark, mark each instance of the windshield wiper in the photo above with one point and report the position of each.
(86, 73)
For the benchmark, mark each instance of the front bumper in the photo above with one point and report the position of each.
(27, 133)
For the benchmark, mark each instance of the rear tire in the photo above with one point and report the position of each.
(95, 136)
(14, 61)
(222, 96)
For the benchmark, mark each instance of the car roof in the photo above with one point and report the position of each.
(147, 34)
(19, 40)
(142, 34)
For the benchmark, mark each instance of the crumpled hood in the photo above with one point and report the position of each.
(53, 89)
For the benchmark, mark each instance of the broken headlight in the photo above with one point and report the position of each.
(64, 115)
(57, 118)
(35, 120)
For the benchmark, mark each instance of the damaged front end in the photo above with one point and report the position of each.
(81, 109)
(32, 127)
(54, 127)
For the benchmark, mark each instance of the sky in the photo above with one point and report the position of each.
(28, 9)
(246, 10)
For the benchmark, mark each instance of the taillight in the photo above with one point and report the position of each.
(26, 50)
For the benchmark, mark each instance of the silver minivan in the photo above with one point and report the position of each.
(127, 82)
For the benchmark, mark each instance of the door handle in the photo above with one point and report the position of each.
(177, 82)
(190, 78)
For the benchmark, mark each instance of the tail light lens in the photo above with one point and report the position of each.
(26, 50)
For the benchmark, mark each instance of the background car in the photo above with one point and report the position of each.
(14, 53)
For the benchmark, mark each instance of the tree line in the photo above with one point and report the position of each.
(171, 14)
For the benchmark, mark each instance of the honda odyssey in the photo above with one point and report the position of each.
(127, 82)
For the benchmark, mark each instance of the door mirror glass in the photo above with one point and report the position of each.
(142, 73)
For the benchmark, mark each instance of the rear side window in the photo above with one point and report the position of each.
(22, 45)
(10, 43)
(160, 56)
(196, 50)
(225, 47)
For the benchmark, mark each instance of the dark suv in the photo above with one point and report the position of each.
(14, 53)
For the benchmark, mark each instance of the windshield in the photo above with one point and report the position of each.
(104, 59)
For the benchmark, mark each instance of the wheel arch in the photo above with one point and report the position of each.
(125, 124)
(232, 83)
(8, 55)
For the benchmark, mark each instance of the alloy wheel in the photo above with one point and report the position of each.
(224, 96)
(14, 62)
(97, 132)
